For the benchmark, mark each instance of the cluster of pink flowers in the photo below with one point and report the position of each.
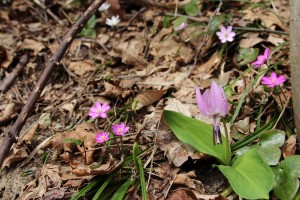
(226, 35)
(99, 110)
(273, 80)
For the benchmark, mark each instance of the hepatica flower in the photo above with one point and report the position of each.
(262, 59)
(104, 7)
(273, 80)
(181, 26)
(226, 34)
(113, 21)
(120, 129)
(102, 137)
(213, 103)
(99, 110)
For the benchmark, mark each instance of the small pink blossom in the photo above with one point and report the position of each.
(181, 26)
(262, 59)
(226, 34)
(213, 103)
(102, 137)
(120, 129)
(99, 110)
(273, 80)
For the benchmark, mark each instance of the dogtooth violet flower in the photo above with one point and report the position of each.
(213, 103)
(273, 80)
(98, 110)
(120, 129)
(113, 21)
(102, 137)
(261, 59)
(104, 6)
(226, 34)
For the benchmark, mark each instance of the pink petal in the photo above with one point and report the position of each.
(93, 115)
(232, 34)
(223, 29)
(103, 115)
(267, 53)
(220, 34)
(229, 29)
(97, 105)
(93, 109)
(201, 103)
(273, 76)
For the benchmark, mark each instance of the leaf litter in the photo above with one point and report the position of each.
(146, 62)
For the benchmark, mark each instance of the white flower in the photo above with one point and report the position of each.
(113, 21)
(104, 6)
(226, 34)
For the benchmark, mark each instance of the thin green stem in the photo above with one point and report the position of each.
(228, 151)
(227, 192)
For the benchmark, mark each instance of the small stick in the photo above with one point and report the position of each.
(12, 134)
(10, 78)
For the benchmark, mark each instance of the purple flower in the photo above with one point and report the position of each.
(273, 80)
(181, 26)
(261, 59)
(99, 110)
(226, 34)
(120, 129)
(213, 103)
(102, 137)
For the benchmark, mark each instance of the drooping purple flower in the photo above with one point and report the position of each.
(99, 110)
(226, 34)
(120, 129)
(262, 59)
(181, 26)
(273, 80)
(213, 103)
(102, 137)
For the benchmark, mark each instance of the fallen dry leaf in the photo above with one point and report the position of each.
(16, 154)
(146, 98)
(182, 194)
(82, 67)
(289, 147)
(34, 45)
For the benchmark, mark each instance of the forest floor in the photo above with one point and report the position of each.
(141, 67)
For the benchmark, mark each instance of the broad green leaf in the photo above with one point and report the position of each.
(197, 134)
(268, 146)
(293, 164)
(191, 8)
(89, 28)
(167, 20)
(250, 177)
(120, 193)
(247, 55)
(286, 185)
(177, 22)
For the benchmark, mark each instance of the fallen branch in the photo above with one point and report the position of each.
(12, 134)
(10, 78)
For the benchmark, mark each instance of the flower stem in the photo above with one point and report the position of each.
(227, 192)
(228, 151)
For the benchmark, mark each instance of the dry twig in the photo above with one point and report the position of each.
(12, 134)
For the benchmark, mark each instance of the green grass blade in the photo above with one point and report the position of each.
(103, 186)
(120, 193)
(82, 192)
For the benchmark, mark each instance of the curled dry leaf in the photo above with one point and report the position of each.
(112, 90)
(82, 67)
(16, 154)
(29, 135)
(8, 113)
(210, 65)
(148, 97)
(34, 45)
(289, 147)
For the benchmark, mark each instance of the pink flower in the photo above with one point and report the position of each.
(99, 110)
(181, 26)
(120, 129)
(102, 137)
(213, 103)
(261, 59)
(273, 80)
(226, 34)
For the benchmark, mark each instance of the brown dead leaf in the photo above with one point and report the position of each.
(82, 67)
(177, 106)
(275, 39)
(16, 154)
(29, 135)
(289, 147)
(34, 45)
(182, 194)
(8, 113)
(111, 90)
(210, 197)
(56, 193)
(250, 40)
(210, 65)
(187, 179)
(146, 98)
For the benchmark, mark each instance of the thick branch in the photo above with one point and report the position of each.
(12, 134)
